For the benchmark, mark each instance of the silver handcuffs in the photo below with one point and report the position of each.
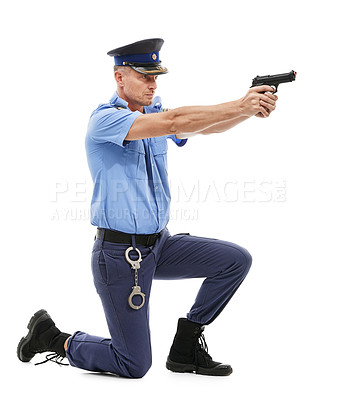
(136, 290)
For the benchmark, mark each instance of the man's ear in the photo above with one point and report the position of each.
(119, 78)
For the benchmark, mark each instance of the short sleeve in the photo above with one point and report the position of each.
(111, 125)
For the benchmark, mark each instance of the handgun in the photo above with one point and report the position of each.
(274, 80)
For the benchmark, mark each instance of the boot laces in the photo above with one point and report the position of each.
(202, 343)
(53, 357)
(202, 349)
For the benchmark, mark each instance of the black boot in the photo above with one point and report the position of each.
(42, 336)
(189, 352)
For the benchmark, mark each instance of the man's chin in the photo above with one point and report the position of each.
(148, 100)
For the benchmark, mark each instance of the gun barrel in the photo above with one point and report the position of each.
(274, 79)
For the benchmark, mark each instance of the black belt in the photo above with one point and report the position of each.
(121, 237)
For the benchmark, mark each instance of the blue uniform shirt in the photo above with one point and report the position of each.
(131, 192)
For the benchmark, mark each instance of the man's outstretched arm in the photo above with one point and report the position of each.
(204, 119)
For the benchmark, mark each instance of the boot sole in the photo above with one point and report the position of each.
(191, 368)
(36, 318)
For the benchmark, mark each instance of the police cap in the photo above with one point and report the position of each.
(142, 56)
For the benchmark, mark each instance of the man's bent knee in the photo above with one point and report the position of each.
(249, 260)
(139, 370)
(245, 260)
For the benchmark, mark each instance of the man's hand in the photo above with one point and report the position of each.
(257, 103)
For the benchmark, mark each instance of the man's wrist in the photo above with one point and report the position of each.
(233, 110)
(240, 108)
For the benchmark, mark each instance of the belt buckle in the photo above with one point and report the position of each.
(98, 234)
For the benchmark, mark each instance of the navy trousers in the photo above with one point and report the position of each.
(127, 352)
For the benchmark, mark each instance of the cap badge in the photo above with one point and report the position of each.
(154, 57)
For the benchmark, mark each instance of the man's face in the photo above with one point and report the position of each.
(137, 88)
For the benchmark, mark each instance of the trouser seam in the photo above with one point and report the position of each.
(121, 333)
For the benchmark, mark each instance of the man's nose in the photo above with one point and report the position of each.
(153, 84)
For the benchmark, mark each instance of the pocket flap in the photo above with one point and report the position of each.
(136, 146)
(159, 146)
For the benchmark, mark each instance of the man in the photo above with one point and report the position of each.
(126, 146)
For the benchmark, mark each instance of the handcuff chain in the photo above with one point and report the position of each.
(136, 277)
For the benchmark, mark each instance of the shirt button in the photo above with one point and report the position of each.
(156, 187)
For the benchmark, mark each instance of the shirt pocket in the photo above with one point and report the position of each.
(159, 151)
(159, 146)
(135, 165)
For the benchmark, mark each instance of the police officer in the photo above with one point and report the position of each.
(126, 146)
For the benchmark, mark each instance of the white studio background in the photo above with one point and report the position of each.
(268, 185)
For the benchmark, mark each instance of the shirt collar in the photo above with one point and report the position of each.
(117, 101)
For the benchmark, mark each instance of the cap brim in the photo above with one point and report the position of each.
(150, 70)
